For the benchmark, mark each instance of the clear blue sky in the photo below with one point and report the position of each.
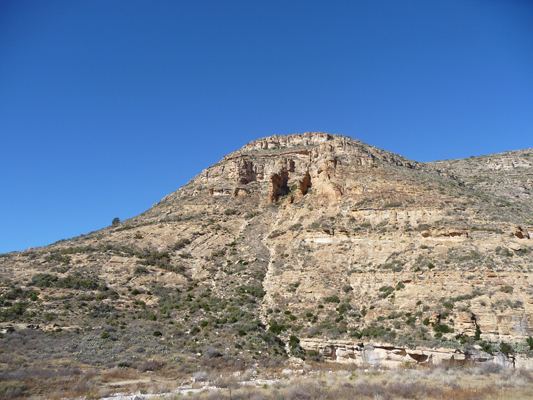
(108, 106)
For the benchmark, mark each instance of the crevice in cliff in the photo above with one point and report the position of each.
(278, 185)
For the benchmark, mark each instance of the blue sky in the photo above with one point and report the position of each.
(108, 106)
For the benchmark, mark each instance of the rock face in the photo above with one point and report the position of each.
(390, 356)
(323, 238)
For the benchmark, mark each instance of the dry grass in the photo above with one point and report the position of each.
(321, 381)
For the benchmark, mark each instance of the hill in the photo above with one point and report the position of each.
(308, 245)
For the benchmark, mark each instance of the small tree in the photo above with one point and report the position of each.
(116, 221)
(477, 335)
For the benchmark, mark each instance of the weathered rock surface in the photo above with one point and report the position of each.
(385, 355)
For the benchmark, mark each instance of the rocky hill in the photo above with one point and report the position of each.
(308, 245)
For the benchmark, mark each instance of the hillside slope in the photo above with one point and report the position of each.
(289, 245)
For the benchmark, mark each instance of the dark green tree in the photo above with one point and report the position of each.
(116, 220)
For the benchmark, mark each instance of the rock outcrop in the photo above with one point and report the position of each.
(315, 236)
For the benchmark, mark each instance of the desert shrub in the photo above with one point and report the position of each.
(374, 331)
(448, 305)
(140, 270)
(296, 349)
(12, 389)
(101, 310)
(506, 289)
(77, 250)
(295, 227)
(218, 253)
(180, 244)
(77, 281)
(486, 347)
(14, 312)
(276, 328)
(149, 365)
(255, 291)
(156, 258)
(211, 352)
(43, 280)
(332, 299)
(393, 204)
(347, 288)
(18, 293)
(230, 211)
(506, 348)
(57, 256)
(490, 367)
(344, 307)
(442, 328)
(275, 234)
(385, 291)
(529, 342)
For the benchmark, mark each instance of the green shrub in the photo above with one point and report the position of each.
(43, 280)
(506, 348)
(386, 291)
(477, 334)
(104, 335)
(347, 288)
(332, 299)
(77, 281)
(448, 305)
(487, 347)
(506, 289)
(374, 331)
(49, 317)
(14, 312)
(344, 307)
(64, 259)
(276, 328)
(255, 291)
(442, 328)
(180, 244)
(140, 270)
(155, 258)
(393, 204)
(157, 334)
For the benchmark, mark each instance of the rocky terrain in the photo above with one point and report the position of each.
(313, 246)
